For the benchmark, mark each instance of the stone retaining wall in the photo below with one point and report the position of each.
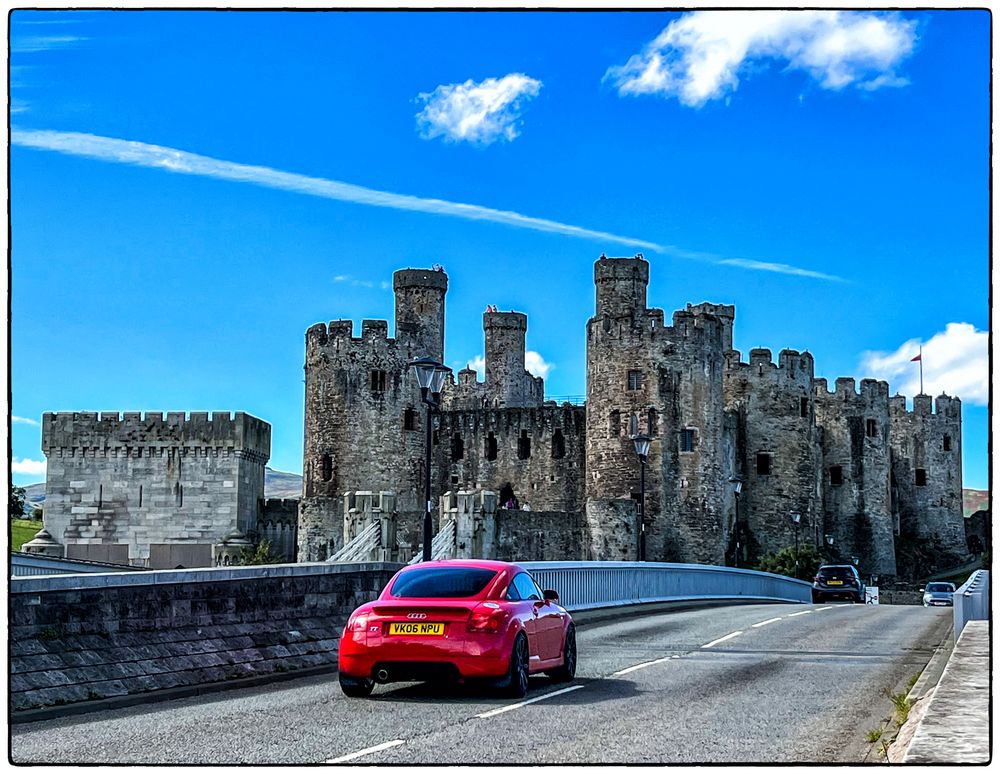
(83, 637)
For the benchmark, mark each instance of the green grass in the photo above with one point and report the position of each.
(21, 531)
(902, 705)
(874, 735)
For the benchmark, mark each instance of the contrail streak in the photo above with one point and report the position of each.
(142, 154)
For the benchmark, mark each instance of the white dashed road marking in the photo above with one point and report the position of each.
(765, 623)
(804, 612)
(828, 607)
(722, 639)
(367, 751)
(625, 671)
(509, 707)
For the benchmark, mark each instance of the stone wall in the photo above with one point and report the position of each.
(928, 441)
(75, 638)
(279, 526)
(855, 442)
(142, 488)
(775, 419)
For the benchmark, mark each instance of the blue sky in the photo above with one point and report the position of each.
(827, 173)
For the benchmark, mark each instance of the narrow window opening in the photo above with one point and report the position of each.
(326, 466)
(436, 438)
(179, 494)
(615, 424)
(454, 479)
(764, 463)
(687, 440)
(836, 475)
(409, 419)
(523, 446)
(140, 495)
(457, 448)
(803, 407)
(947, 443)
(921, 477)
(100, 496)
(635, 380)
(871, 428)
(491, 447)
(633, 425)
(652, 426)
(558, 445)
(378, 381)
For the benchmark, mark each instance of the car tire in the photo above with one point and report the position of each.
(356, 687)
(515, 684)
(567, 671)
(817, 598)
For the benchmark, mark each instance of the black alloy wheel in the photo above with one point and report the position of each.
(567, 671)
(516, 685)
(356, 687)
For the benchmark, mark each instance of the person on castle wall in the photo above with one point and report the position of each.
(525, 507)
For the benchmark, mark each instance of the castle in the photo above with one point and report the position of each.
(738, 447)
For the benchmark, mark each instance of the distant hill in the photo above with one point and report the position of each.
(277, 484)
(975, 500)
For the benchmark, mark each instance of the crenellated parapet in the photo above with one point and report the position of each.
(111, 432)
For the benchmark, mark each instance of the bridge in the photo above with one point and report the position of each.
(678, 663)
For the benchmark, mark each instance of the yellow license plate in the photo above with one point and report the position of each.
(417, 629)
(835, 583)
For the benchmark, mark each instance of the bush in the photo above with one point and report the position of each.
(16, 502)
(260, 554)
(783, 562)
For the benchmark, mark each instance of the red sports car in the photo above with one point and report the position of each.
(458, 619)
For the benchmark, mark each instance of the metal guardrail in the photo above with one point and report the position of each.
(591, 585)
(972, 601)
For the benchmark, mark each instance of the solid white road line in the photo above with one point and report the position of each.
(804, 612)
(625, 671)
(509, 707)
(367, 751)
(722, 639)
(765, 623)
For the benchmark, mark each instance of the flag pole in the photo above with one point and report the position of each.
(921, 361)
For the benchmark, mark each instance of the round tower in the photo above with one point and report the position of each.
(420, 311)
(621, 286)
(505, 335)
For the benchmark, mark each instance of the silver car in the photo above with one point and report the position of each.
(939, 594)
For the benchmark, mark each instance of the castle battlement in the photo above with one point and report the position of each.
(340, 333)
(792, 365)
(194, 430)
(944, 406)
(537, 419)
(872, 390)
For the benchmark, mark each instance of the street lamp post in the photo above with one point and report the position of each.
(737, 489)
(642, 441)
(431, 376)
(796, 518)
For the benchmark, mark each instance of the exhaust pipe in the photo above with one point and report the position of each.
(382, 676)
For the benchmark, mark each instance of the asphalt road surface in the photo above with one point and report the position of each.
(754, 683)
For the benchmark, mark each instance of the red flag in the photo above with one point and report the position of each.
(915, 359)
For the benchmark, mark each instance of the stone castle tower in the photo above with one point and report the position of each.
(738, 447)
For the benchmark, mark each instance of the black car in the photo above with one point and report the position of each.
(838, 581)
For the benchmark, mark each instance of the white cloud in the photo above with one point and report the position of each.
(478, 113)
(35, 43)
(956, 362)
(23, 421)
(478, 364)
(28, 467)
(699, 56)
(535, 364)
(181, 162)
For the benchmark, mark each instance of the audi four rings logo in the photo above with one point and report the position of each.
(417, 615)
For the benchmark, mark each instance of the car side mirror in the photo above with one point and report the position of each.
(550, 596)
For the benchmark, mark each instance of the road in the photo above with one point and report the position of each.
(797, 683)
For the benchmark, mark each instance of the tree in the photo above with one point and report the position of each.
(16, 502)
(260, 554)
(783, 562)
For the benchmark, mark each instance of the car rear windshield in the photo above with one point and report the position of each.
(940, 587)
(835, 572)
(442, 582)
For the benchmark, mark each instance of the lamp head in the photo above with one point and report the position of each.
(796, 517)
(641, 442)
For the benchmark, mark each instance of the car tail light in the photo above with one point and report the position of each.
(487, 618)
(356, 623)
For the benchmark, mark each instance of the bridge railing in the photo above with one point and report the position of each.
(591, 585)
(972, 601)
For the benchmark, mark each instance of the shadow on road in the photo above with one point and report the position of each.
(480, 694)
